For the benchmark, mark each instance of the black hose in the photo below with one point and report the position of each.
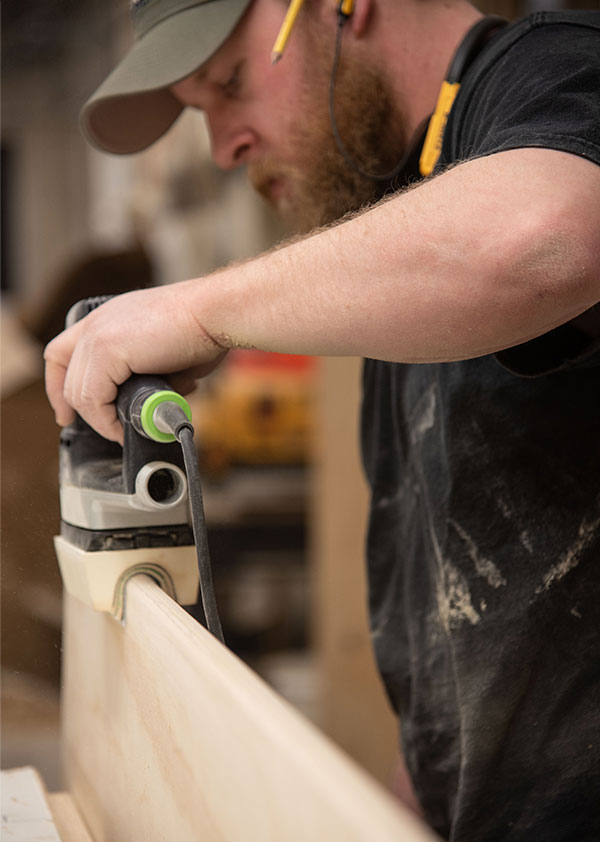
(207, 591)
(175, 419)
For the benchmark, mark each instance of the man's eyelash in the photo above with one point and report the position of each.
(233, 83)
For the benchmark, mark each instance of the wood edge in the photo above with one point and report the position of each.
(67, 818)
(344, 780)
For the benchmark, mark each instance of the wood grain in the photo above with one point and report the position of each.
(168, 736)
(26, 816)
(67, 819)
(356, 712)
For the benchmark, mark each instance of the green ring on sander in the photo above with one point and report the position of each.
(150, 405)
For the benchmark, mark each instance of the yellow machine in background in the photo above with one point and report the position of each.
(256, 410)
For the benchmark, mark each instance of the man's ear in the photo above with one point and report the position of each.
(361, 15)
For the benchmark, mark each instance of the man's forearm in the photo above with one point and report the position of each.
(488, 255)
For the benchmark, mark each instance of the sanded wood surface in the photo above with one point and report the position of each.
(67, 819)
(352, 690)
(26, 816)
(168, 736)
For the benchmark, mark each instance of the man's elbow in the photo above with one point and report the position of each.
(557, 259)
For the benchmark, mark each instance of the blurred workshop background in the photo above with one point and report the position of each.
(284, 496)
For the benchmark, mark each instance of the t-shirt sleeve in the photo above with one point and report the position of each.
(544, 91)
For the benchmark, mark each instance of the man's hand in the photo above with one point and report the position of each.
(146, 332)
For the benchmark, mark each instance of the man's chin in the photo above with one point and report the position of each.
(296, 206)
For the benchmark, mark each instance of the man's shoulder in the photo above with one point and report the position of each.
(541, 22)
(538, 28)
(586, 18)
(534, 84)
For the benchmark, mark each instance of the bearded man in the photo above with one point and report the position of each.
(473, 295)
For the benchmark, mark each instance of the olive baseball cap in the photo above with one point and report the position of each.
(133, 107)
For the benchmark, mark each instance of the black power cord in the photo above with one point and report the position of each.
(172, 416)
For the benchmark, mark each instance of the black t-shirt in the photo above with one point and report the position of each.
(484, 536)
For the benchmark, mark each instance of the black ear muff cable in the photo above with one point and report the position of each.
(388, 176)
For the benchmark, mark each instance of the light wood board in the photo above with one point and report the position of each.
(168, 736)
(70, 825)
(356, 713)
(30, 814)
(26, 816)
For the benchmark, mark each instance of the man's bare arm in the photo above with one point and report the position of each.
(487, 255)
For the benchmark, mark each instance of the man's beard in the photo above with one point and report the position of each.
(321, 185)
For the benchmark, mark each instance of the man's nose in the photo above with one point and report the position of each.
(231, 146)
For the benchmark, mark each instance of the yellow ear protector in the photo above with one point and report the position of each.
(468, 49)
(432, 146)
(344, 8)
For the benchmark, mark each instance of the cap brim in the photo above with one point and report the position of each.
(133, 107)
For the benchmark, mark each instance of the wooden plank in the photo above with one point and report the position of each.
(67, 818)
(26, 816)
(355, 710)
(168, 736)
